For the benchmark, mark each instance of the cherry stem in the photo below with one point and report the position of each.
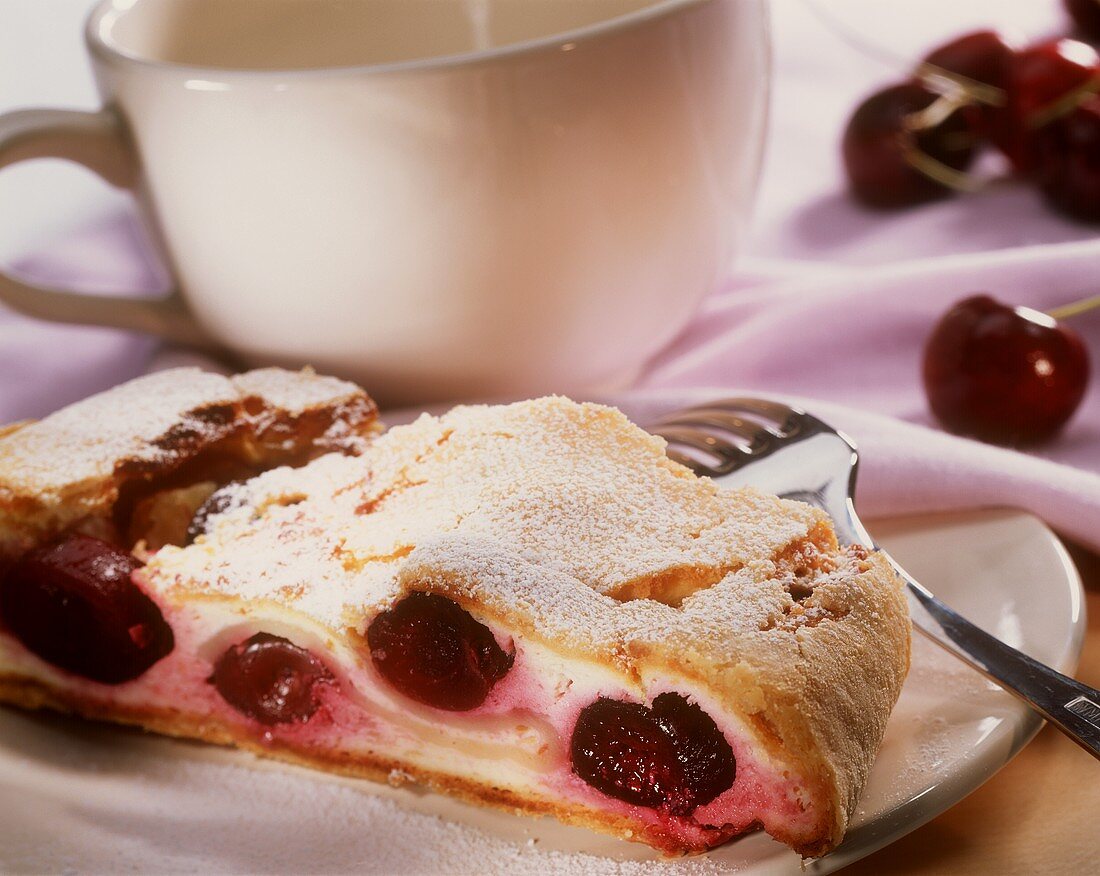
(1075, 308)
(944, 81)
(948, 82)
(936, 113)
(1066, 104)
(938, 171)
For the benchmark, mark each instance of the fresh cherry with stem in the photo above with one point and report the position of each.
(906, 145)
(1040, 106)
(1007, 375)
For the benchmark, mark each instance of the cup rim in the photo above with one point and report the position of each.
(101, 47)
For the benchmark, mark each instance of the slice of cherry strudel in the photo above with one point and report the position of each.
(527, 605)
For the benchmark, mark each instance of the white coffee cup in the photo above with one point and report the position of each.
(438, 198)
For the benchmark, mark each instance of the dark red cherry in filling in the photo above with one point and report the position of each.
(881, 155)
(1040, 79)
(622, 750)
(1002, 374)
(1068, 162)
(219, 501)
(75, 605)
(271, 679)
(670, 757)
(1086, 15)
(702, 750)
(434, 652)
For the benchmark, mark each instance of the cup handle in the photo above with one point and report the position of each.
(97, 141)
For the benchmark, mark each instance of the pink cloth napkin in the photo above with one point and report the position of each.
(847, 346)
(829, 311)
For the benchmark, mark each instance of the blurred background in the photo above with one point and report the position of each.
(802, 212)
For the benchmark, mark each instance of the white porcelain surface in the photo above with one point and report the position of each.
(541, 216)
(89, 798)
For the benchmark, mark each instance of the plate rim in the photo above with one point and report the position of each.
(992, 757)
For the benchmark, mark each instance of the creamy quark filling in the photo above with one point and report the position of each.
(518, 740)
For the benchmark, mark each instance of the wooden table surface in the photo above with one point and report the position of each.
(1039, 815)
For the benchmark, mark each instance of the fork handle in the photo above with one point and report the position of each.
(1072, 707)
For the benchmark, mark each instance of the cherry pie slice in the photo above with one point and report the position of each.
(528, 606)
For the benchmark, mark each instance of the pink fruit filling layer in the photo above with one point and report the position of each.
(668, 766)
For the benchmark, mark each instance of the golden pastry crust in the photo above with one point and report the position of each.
(573, 487)
(565, 524)
(567, 529)
(79, 465)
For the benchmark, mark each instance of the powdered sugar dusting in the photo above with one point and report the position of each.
(81, 445)
(93, 798)
(725, 625)
(571, 503)
(562, 523)
(293, 391)
(84, 441)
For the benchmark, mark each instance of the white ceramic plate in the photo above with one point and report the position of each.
(80, 797)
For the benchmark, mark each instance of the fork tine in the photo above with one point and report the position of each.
(756, 434)
(702, 441)
(729, 456)
(788, 420)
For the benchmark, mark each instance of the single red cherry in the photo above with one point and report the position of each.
(75, 605)
(1068, 162)
(1040, 80)
(670, 757)
(219, 501)
(881, 154)
(1086, 15)
(1009, 375)
(434, 652)
(271, 679)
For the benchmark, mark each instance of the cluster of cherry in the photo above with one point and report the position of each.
(1039, 105)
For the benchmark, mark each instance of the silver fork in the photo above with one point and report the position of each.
(787, 452)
